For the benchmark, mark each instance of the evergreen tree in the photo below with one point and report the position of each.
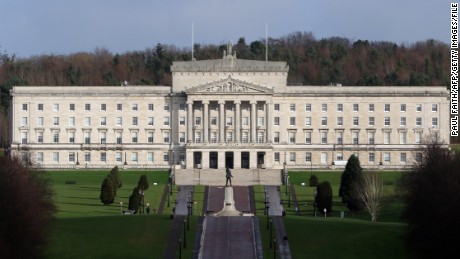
(115, 175)
(313, 181)
(135, 200)
(107, 191)
(324, 197)
(350, 177)
(143, 183)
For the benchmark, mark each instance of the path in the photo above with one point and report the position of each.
(173, 239)
(276, 208)
(182, 199)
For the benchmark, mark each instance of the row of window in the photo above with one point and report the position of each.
(355, 121)
(102, 137)
(386, 157)
(87, 121)
(102, 157)
(102, 107)
(356, 107)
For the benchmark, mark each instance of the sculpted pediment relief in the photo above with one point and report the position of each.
(229, 86)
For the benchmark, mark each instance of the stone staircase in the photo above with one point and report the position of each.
(216, 177)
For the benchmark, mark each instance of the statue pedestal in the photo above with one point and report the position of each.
(229, 204)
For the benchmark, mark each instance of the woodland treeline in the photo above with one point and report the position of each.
(311, 61)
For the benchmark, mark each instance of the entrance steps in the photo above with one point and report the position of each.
(216, 177)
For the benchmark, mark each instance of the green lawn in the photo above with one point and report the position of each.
(86, 228)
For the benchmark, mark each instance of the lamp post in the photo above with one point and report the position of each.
(141, 192)
(121, 207)
(169, 187)
(271, 227)
(185, 240)
(274, 247)
(268, 207)
(180, 248)
(289, 192)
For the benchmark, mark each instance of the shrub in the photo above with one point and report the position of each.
(351, 176)
(324, 197)
(313, 181)
(143, 183)
(135, 200)
(107, 191)
(115, 175)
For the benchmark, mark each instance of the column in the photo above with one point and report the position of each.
(221, 122)
(189, 121)
(237, 122)
(269, 121)
(253, 121)
(205, 159)
(237, 159)
(205, 122)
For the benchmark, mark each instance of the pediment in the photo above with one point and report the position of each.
(228, 86)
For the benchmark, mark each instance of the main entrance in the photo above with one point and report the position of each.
(197, 159)
(261, 159)
(245, 160)
(229, 160)
(213, 160)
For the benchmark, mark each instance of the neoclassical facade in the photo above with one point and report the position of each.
(222, 113)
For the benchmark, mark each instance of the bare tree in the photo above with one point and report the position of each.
(370, 191)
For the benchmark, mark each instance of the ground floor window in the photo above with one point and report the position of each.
(277, 157)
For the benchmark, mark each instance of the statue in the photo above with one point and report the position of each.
(229, 48)
(229, 177)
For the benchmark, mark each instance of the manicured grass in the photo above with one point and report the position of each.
(136, 236)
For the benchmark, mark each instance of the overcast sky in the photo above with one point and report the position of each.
(34, 27)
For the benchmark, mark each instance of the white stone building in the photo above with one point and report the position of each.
(225, 112)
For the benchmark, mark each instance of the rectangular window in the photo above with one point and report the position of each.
(339, 156)
(260, 137)
(198, 137)
(119, 107)
(198, 121)
(87, 121)
(418, 107)
(39, 121)
(150, 106)
(39, 156)
(166, 157)
(355, 137)
(72, 107)
(150, 157)
(371, 107)
(371, 138)
(323, 121)
(355, 121)
(387, 121)
(55, 136)
(292, 107)
(323, 158)
(291, 121)
(71, 121)
(166, 137)
(24, 138)
(103, 121)
(324, 107)
(292, 137)
(87, 157)
(118, 157)
(418, 121)
(402, 157)
(323, 137)
(339, 121)
(134, 157)
(182, 121)
(386, 157)
(308, 137)
(71, 157)
(134, 136)
(418, 157)
(434, 107)
(276, 106)
(87, 135)
(403, 121)
(40, 107)
(229, 121)
(166, 107)
(387, 107)
(87, 107)
(418, 137)
(434, 121)
(103, 157)
(371, 157)
(276, 121)
(402, 137)
(277, 157)
(71, 136)
(339, 107)
(307, 121)
(214, 137)
(213, 121)
(134, 107)
(150, 121)
(245, 137)
(119, 121)
(56, 107)
(165, 121)
(308, 157)
(55, 121)
(182, 106)
(356, 107)
(24, 121)
(40, 136)
(276, 138)
(24, 106)
(134, 121)
(260, 121)
(292, 156)
(245, 121)
(308, 107)
(403, 108)
(150, 136)
(103, 107)
(339, 138)
(386, 137)
(119, 137)
(182, 137)
(56, 157)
